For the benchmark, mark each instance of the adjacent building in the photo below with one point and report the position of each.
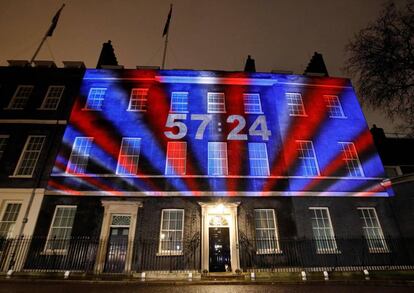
(35, 105)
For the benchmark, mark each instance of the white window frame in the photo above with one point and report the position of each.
(315, 158)
(213, 104)
(169, 168)
(101, 100)
(341, 143)
(69, 169)
(168, 252)
(370, 240)
(4, 146)
(47, 250)
(179, 103)
(328, 241)
(119, 169)
(262, 159)
(276, 244)
(300, 105)
(246, 105)
(225, 157)
(338, 106)
(139, 95)
(13, 99)
(47, 97)
(13, 224)
(22, 155)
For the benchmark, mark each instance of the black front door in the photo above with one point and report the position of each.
(117, 249)
(219, 250)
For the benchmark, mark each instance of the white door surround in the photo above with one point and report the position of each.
(112, 207)
(223, 209)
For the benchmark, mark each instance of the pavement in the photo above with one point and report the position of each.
(93, 286)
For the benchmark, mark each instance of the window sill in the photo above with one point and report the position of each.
(298, 115)
(378, 250)
(21, 176)
(132, 110)
(268, 252)
(333, 251)
(87, 109)
(338, 117)
(167, 253)
(54, 252)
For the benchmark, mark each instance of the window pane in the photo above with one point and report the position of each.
(79, 157)
(259, 165)
(29, 156)
(9, 218)
(129, 156)
(323, 231)
(179, 102)
(295, 104)
(307, 163)
(266, 233)
(61, 228)
(171, 231)
(20, 97)
(215, 103)
(52, 99)
(350, 159)
(176, 158)
(217, 158)
(334, 106)
(138, 99)
(372, 230)
(252, 104)
(95, 99)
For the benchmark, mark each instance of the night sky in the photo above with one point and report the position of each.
(214, 34)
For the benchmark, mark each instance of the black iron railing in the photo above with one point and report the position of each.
(88, 255)
(280, 254)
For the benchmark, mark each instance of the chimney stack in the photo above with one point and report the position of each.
(250, 65)
(316, 66)
(107, 56)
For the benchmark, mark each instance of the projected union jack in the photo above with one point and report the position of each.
(195, 133)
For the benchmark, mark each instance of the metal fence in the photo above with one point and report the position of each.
(82, 254)
(331, 254)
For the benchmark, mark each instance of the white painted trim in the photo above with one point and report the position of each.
(221, 193)
(118, 167)
(207, 208)
(314, 154)
(117, 207)
(215, 176)
(171, 101)
(32, 121)
(208, 102)
(185, 160)
(222, 80)
(244, 103)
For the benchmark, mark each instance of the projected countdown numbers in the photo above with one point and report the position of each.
(177, 121)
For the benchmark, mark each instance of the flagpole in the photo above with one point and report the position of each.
(165, 51)
(166, 32)
(48, 33)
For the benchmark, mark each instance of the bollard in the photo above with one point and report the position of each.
(190, 276)
(303, 274)
(366, 274)
(252, 276)
(143, 276)
(325, 275)
(9, 273)
(66, 274)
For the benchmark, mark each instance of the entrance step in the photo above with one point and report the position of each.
(222, 276)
